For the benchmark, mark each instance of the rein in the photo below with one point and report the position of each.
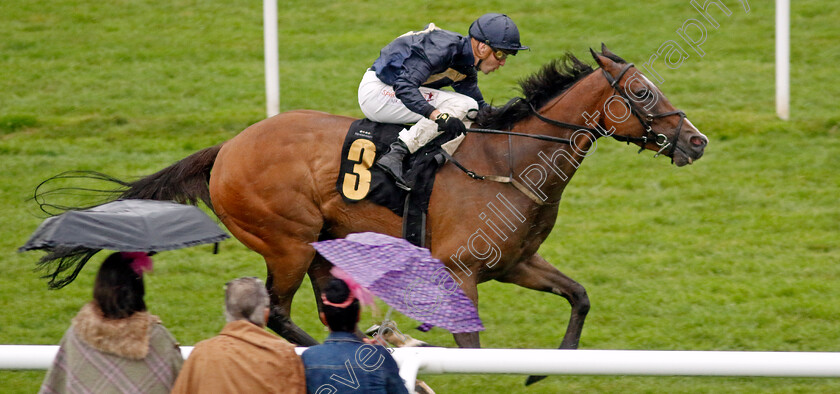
(646, 119)
(534, 136)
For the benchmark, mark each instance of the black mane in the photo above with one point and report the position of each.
(538, 89)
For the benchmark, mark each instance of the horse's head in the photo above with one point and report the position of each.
(638, 112)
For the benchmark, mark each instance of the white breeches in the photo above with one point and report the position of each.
(380, 104)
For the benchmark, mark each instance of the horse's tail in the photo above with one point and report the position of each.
(185, 182)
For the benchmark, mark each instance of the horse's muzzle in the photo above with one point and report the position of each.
(690, 147)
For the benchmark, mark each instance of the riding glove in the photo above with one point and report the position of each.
(450, 124)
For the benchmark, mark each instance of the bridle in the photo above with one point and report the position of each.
(645, 118)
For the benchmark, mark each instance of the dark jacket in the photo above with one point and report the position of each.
(432, 58)
(348, 364)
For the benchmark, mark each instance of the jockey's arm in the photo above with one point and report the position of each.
(417, 70)
(407, 86)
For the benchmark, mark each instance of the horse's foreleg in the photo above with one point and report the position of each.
(469, 339)
(538, 274)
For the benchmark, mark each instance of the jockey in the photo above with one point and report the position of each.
(403, 84)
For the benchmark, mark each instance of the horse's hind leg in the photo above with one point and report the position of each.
(283, 280)
(320, 276)
(287, 256)
(538, 274)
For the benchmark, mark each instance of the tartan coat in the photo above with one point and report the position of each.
(98, 355)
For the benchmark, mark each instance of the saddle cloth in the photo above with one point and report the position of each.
(360, 179)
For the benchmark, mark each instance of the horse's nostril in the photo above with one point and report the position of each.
(698, 141)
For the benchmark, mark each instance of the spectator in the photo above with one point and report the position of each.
(113, 344)
(244, 357)
(344, 362)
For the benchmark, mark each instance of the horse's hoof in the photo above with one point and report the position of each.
(420, 387)
(534, 379)
(372, 330)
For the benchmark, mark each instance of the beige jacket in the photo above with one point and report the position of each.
(243, 358)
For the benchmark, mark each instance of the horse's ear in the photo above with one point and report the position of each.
(605, 51)
(598, 58)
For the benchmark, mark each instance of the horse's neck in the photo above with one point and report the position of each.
(547, 167)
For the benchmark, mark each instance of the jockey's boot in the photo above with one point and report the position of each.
(392, 163)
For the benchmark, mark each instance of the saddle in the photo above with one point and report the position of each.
(359, 179)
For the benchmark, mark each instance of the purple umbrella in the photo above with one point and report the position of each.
(406, 277)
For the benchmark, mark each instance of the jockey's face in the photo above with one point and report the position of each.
(491, 63)
(486, 59)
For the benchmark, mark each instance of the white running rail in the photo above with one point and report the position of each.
(433, 360)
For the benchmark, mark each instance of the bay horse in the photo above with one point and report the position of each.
(273, 185)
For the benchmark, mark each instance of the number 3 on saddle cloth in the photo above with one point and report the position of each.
(359, 179)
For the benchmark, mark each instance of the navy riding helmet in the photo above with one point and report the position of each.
(498, 31)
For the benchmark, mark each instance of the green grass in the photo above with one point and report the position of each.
(737, 252)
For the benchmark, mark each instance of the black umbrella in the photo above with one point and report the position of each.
(128, 226)
(123, 225)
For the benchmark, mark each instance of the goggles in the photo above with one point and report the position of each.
(500, 54)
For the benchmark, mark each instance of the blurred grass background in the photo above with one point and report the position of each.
(737, 252)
